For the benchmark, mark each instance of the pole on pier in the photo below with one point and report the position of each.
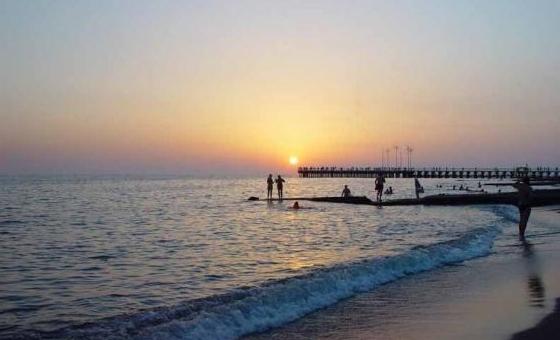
(387, 154)
(409, 152)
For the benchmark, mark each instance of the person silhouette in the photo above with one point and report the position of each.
(269, 185)
(346, 192)
(523, 204)
(418, 189)
(280, 186)
(379, 181)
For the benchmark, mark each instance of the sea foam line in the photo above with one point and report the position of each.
(273, 305)
(256, 309)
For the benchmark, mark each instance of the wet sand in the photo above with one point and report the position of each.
(493, 297)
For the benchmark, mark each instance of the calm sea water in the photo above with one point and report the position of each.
(119, 257)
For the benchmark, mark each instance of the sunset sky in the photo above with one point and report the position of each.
(238, 87)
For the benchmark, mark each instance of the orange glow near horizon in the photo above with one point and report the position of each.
(244, 87)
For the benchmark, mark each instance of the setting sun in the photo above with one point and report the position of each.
(294, 160)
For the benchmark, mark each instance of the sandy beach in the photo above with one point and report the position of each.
(512, 291)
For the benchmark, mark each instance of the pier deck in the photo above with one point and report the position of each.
(370, 172)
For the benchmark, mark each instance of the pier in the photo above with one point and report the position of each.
(544, 173)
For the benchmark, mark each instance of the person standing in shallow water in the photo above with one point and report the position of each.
(524, 204)
(379, 182)
(346, 192)
(418, 189)
(269, 186)
(280, 186)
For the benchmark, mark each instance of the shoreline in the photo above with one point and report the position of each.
(493, 297)
(549, 326)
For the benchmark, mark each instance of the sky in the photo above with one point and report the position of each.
(239, 87)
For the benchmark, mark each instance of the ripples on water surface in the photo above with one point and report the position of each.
(78, 249)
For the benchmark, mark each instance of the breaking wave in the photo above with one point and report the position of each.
(272, 304)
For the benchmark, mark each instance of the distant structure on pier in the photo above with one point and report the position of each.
(434, 172)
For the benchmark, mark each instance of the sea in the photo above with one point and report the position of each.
(171, 257)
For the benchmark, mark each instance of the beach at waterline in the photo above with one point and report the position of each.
(501, 296)
(180, 258)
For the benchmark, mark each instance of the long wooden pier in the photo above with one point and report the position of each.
(547, 173)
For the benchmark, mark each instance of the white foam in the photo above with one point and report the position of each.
(277, 303)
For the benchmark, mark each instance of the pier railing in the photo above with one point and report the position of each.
(434, 172)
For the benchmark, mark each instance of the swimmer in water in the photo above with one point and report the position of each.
(296, 205)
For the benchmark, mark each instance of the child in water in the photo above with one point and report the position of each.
(296, 206)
